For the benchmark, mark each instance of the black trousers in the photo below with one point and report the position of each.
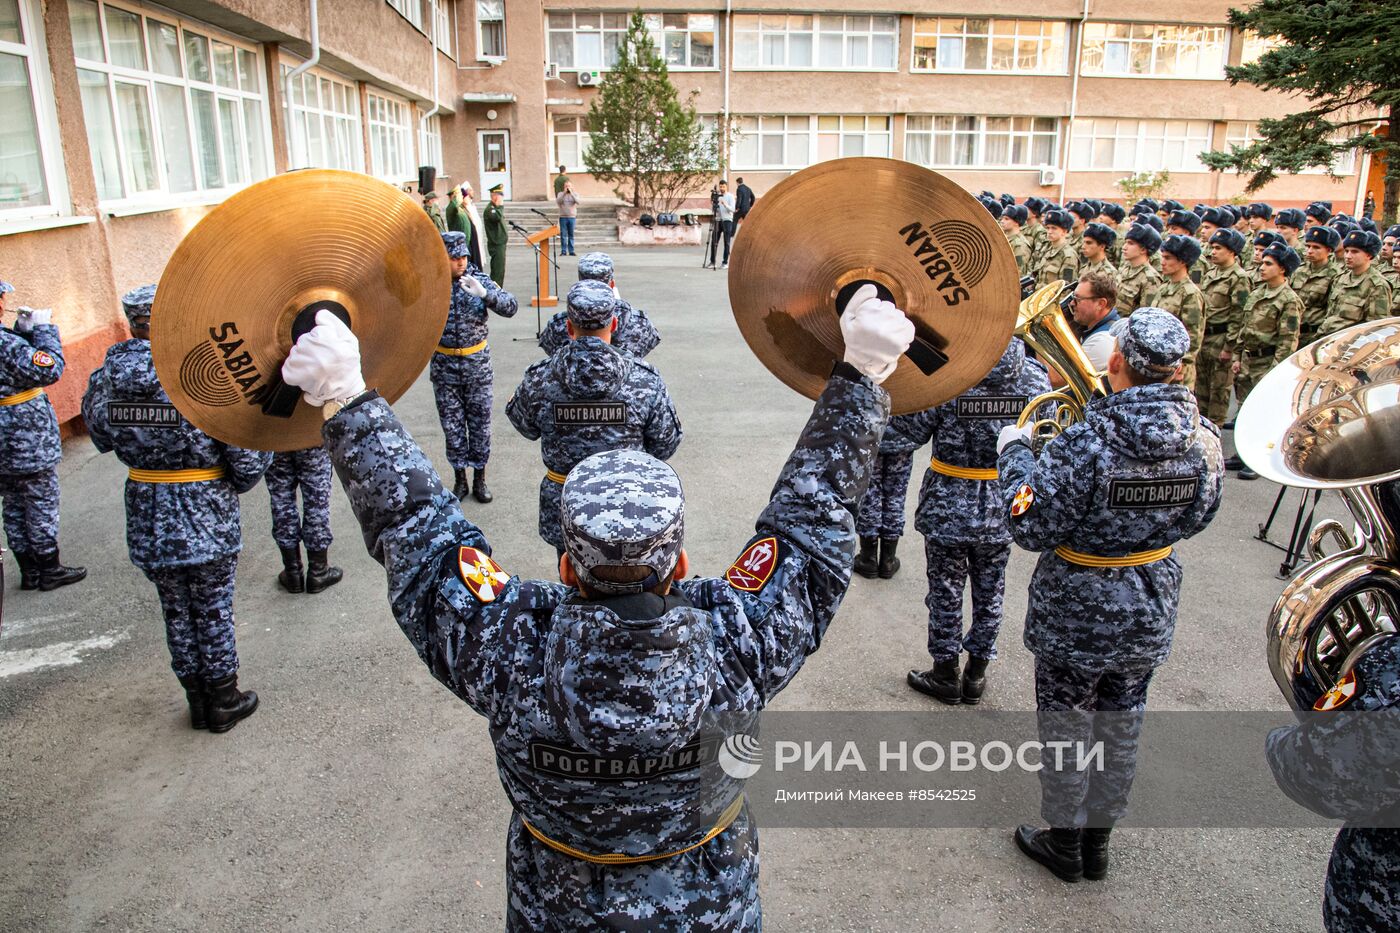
(725, 229)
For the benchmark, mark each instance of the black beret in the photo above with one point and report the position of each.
(1144, 236)
(1362, 240)
(1101, 233)
(1185, 248)
(1285, 257)
(1184, 219)
(1229, 238)
(1323, 236)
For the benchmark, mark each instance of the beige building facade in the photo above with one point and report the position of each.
(125, 122)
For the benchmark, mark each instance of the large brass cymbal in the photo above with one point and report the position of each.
(263, 262)
(932, 246)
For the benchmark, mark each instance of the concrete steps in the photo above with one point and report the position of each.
(596, 224)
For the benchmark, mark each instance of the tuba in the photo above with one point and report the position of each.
(1328, 417)
(1041, 324)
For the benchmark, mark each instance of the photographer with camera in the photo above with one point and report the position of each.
(721, 222)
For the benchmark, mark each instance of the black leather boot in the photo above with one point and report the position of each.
(974, 680)
(228, 704)
(939, 682)
(1056, 849)
(291, 578)
(889, 564)
(1233, 462)
(868, 560)
(28, 571)
(479, 490)
(52, 573)
(460, 487)
(1094, 847)
(198, 700)
(320, 575)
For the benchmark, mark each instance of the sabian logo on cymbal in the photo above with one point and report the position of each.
(956, 256)
(219, 372)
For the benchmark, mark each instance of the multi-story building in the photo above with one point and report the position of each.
(123, 122)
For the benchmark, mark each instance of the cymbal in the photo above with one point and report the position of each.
(250, 277)
(927, 244)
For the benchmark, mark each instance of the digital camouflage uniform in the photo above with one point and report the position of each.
(29, 441)
(1269, 336)
(586, 398)
(636, 335)
(1342, 765)
(1057, 264)
(1135, 286)
(1226, 291)
(1021, 249)
(185, 536)
(1098, 633)
(622, 681)
(1313, 285)
(963, 520)
(881, 512)
(1354, 299)
(462, 384)
(309, 470)
(1186, 303)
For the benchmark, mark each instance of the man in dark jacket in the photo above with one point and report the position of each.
(743, 203)
(636, 335)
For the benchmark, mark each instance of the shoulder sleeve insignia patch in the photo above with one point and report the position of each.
(753, 568)
(1346, 690)
(1025, 498)
(482, 575)
(43, 359)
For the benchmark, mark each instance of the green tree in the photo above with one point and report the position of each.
(644, 141)
(1335, 55)
(1144, 185)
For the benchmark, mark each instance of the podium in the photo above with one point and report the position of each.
(543, 297)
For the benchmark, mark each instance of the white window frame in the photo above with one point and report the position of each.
(1242, 133)
(1253, 45)
(981, 129)
(1158, 46)
(34, 51)
(341, 129)
(391, 134)
(603, 25)
(481, 55)
(850, 128)
(796, 139)
(1088, 133)
(149, 78)
(657, 28)
(442, 27)
(411, 10)
(765, 29)
(430, 140)
(579, 134)
(938, 29)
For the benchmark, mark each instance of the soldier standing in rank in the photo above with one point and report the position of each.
(1179, 296)
(635, 335)
(1060, 261)
(1035, 230)
(1358, 294)
(1313, 280)
(1226, 289)
(1258, 218)
(1136, 277)
(1272, 318)
(1316, 214)
(1290, 226)
(1114, 217)
(880, 518)
(589, 397)
(309, 470)
(626, 663)
(1013, 218)
(497, 235)
(182, 516)
(31, 357)
(1098, 240)
(1386, 267)
(1104, 503)
(1262, 241)
(1155, 222)
(461, 369)
(1211, 220)
(1395, 291)
(963, 523)
(1187, 224)
(1081, 214)
(434, 213)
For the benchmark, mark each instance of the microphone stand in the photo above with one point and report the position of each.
(539, 328)
(545, 217)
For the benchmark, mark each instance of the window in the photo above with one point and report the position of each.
(1144, 50)
(169, 107)
(1242, 134)
(31, 173)
(772, 142)
(570, 142)
(840, 137)
(322, 116)
(1012, 45)
(982, 142)
(1254, 45)
(430, 141)
(684, 40)
(1138, 145)
(442, 26)
(390, 138)
(411, 10)
(491, 29)
(585, 41)
(829, 42)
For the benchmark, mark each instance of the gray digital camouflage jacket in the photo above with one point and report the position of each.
(29, 439)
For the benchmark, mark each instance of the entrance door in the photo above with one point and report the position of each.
(494, 146)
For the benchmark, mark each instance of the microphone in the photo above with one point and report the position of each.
(540, 213)
(519, 229)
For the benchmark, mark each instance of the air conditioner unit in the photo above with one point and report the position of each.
(1051, 175)
(551, 71)
(588, 79)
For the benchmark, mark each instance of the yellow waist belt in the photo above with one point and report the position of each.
(728, 816)
(176, 476)
(19, 398)
(556, 477)
(1127, 560)
(960, 472)
(461, 351)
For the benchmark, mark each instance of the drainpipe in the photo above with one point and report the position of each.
(1074, 97)
(728, 55)
(306, 65)
(433, 51)
(1364, 167)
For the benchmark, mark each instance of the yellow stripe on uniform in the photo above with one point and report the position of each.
(556, 477)
(1127, 560)
(961, 472)
(461, 351)
(725, 818)
(204, 475)
(19, 398)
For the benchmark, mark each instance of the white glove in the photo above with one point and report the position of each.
(325, 363)
(1011, 434)
(876, 333)
(26, 318)
(473, 286)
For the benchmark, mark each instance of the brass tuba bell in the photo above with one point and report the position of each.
(1041, 324)
(1328, 417)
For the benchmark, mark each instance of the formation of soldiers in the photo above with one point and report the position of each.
(624, 659)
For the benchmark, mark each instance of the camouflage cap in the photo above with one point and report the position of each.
(1152, 341)
(1016, 212)
(456, 243)
(622, 508)
(1363, 240)
(1287, 259)
(1144, 236)
(1231, 239)
(591, 304)
(1185, 248)
(597, 266)
(1290, 217)
(1323, 236)
(1100, 233)
(1186, 220)
(137, 302)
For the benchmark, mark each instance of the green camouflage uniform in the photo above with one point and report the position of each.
(1104, 266)
(1226, 292)
(1355, 298)
(1247, 254)
(1270, 334)
(1313, 284)
(1057, 264)
(1392, 278)
(1021, 249)
(1185, 301)
(1076, 239)
(435, 215)
(1039, 241)
(1135, 285)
